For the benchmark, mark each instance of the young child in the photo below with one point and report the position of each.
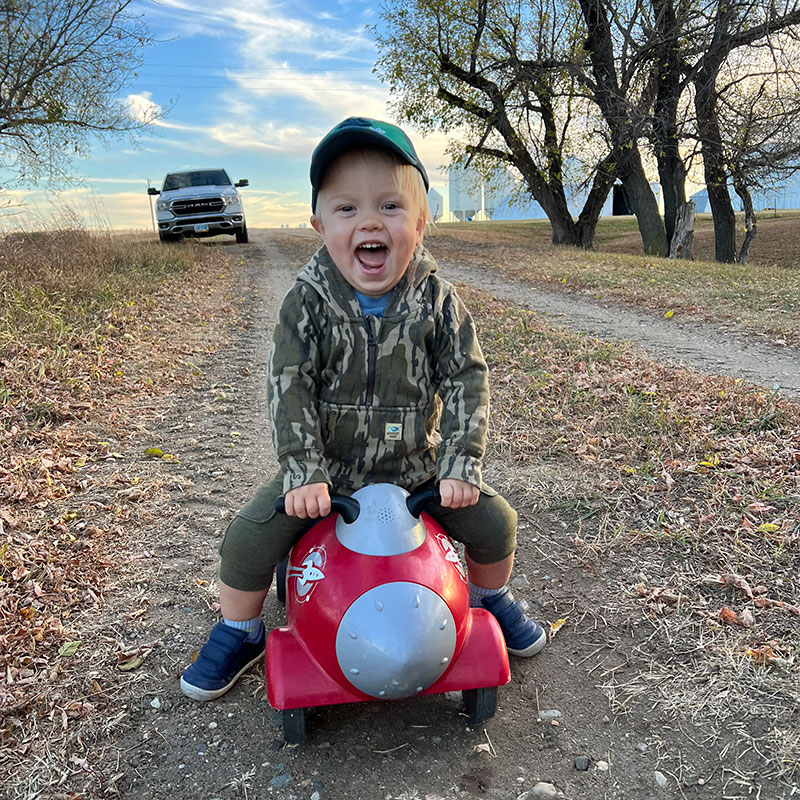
(376, 376)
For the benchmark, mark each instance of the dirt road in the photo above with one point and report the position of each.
(705, 347)
(166, 746)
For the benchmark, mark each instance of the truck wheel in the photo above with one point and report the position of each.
(480, 704)
(241, 236)
(294, 725)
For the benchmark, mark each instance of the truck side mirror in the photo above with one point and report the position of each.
(152, 190)
(243, 182)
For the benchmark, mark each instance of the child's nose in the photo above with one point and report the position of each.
(370, 221)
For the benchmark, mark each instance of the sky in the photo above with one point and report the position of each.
(248, 86)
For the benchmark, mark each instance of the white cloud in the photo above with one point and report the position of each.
(142, 107)
(334, 94)
(290, 141)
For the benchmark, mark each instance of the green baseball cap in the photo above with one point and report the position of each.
(355, 131)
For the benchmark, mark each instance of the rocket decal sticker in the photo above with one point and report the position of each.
(309, 573)
(451, 554)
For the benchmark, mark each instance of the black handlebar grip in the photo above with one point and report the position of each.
(421, 497)
(347, 508)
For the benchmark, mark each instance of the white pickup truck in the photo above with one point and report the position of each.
(199, 202)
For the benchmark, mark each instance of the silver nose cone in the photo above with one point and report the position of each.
(395, 640)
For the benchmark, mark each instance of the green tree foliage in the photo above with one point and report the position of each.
(63, 66)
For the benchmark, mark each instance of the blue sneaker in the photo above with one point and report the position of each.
(523, 636)
(224, 657)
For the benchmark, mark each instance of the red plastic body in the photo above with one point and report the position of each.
(301, 665)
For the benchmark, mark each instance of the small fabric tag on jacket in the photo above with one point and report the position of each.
(394, 431)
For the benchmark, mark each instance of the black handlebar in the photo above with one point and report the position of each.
(345, 506)
(349, 509)
(421, 497)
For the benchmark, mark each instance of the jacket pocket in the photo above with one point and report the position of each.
(383, 444)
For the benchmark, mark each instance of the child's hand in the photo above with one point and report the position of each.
(458, 494)
(308, 502)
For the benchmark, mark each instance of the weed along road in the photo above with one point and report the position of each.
(657, 545)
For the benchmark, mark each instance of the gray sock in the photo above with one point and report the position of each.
(254, 627)
(477, 593)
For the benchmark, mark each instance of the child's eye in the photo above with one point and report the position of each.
(390, 206)
(346, 209)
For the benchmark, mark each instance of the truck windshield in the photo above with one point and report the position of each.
(201, 177)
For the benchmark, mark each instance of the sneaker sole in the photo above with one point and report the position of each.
(203, 695)
(531, 649)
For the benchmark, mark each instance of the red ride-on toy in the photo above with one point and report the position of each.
(377, 608)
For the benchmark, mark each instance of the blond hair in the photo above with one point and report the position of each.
(407, 177)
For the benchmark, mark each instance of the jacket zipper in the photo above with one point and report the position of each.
(372, 359)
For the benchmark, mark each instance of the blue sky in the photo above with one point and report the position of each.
(249, 86)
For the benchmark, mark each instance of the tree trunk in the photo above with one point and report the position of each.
(683, 235)
(716, 175)
(554, 204)
(610, 98)
(643, 203)
(750, 225)
(667, 89)
(590, 213)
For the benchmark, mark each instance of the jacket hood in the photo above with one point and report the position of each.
(322, 274)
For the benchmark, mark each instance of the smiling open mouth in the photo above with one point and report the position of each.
(372, 256)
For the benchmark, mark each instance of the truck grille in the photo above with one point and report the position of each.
(200, 205)
(197, 220)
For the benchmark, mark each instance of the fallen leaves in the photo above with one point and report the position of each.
(75, 363)
(763, 655)
(745, 619)
(68, 649)
(730, 579)
(659, 599)
(132, 659)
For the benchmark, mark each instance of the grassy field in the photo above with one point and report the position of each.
(683, 493)
(762, 297)
(680, 492)
(92, 329)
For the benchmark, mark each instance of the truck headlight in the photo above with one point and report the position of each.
(162, 205)
(231, 199)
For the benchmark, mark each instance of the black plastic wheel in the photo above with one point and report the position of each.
(294, 725)
(241, 236)
(280, 580)
(480, 704)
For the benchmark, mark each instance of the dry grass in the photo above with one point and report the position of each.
(687, 490)
(762, 297)
(682, 491)
(93, 336)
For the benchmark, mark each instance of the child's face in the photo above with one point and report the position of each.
(367, 223)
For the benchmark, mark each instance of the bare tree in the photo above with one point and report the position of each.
(63, 66)
(723, 29)
(760, 119)
(616, 75)
(497, 72)
(666, 87)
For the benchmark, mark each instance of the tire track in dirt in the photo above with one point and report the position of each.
(709, 348)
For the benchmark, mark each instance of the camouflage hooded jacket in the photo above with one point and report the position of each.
(357, 399)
